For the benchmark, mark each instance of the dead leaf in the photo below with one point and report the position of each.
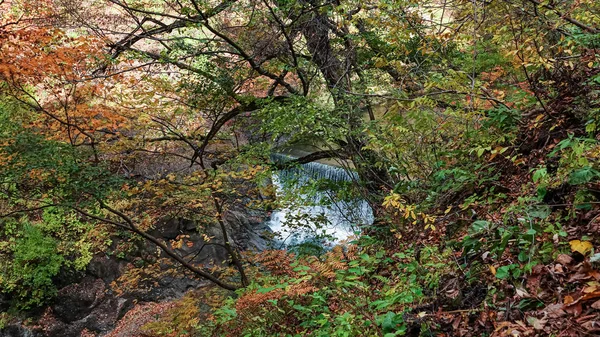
(536, 323)
(521, 323)
(584, 318)
(564, 259)
(568, 300)
(574, 309)
(591, 326)
(533, 282)
(554, 310)
(596, 305)
(558, 269)
(579, 277)
(591, 295)
(583, 247)
(522, 292)
(456, 322)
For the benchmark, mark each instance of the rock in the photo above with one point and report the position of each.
(76, 301)
(105, 267)
(249, 230)
(169, 288)
(17, 330)
(89, 306)
(246, 229)
(85, 305)
(169, 229)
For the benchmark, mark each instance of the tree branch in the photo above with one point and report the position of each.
(567, 18)
(131, 227)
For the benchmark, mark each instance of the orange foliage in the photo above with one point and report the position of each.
(251, 301)
(130, 325)
(279, 263)
(51, 71)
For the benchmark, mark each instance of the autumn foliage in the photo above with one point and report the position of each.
(147, 131)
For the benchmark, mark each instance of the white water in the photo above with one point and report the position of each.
(298, 223)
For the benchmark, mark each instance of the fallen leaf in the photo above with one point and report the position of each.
(574, 309)
(583, 247)
(558, 269)
(595, 274)
(591, 326)
(564, 259)
(596, 305)
(591, 295)
(536, 323)
(584, 318)
(568, 300)
(554, 310)
(456, 322)
(533, 282)
(522, 292)
(579, 277)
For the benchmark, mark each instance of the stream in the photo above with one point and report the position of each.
(320, 216)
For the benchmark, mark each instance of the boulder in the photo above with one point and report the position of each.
(88, 305)
(18, 330)
(85, 305)
(107, 268)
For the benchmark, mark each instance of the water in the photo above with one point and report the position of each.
(318, 216)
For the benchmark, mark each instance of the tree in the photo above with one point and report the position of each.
(214, 87)
(71, 129)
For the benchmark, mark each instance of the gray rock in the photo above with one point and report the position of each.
(107, 268)
(90, 304)
(17, 330)
(76, 301)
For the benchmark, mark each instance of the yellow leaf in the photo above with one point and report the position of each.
(569, 299)
(582, 247)
(493, 270)
(591, 64)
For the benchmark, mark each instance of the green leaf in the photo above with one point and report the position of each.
(479, 226)
(583, 176)
(539, 174)
(504, 272)
(390, 321)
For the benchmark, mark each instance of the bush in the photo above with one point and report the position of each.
(35, 262)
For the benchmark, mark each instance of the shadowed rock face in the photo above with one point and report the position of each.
(84, 305)
(17, 330)
(89, 303)
(247, 230)
(250, 230)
